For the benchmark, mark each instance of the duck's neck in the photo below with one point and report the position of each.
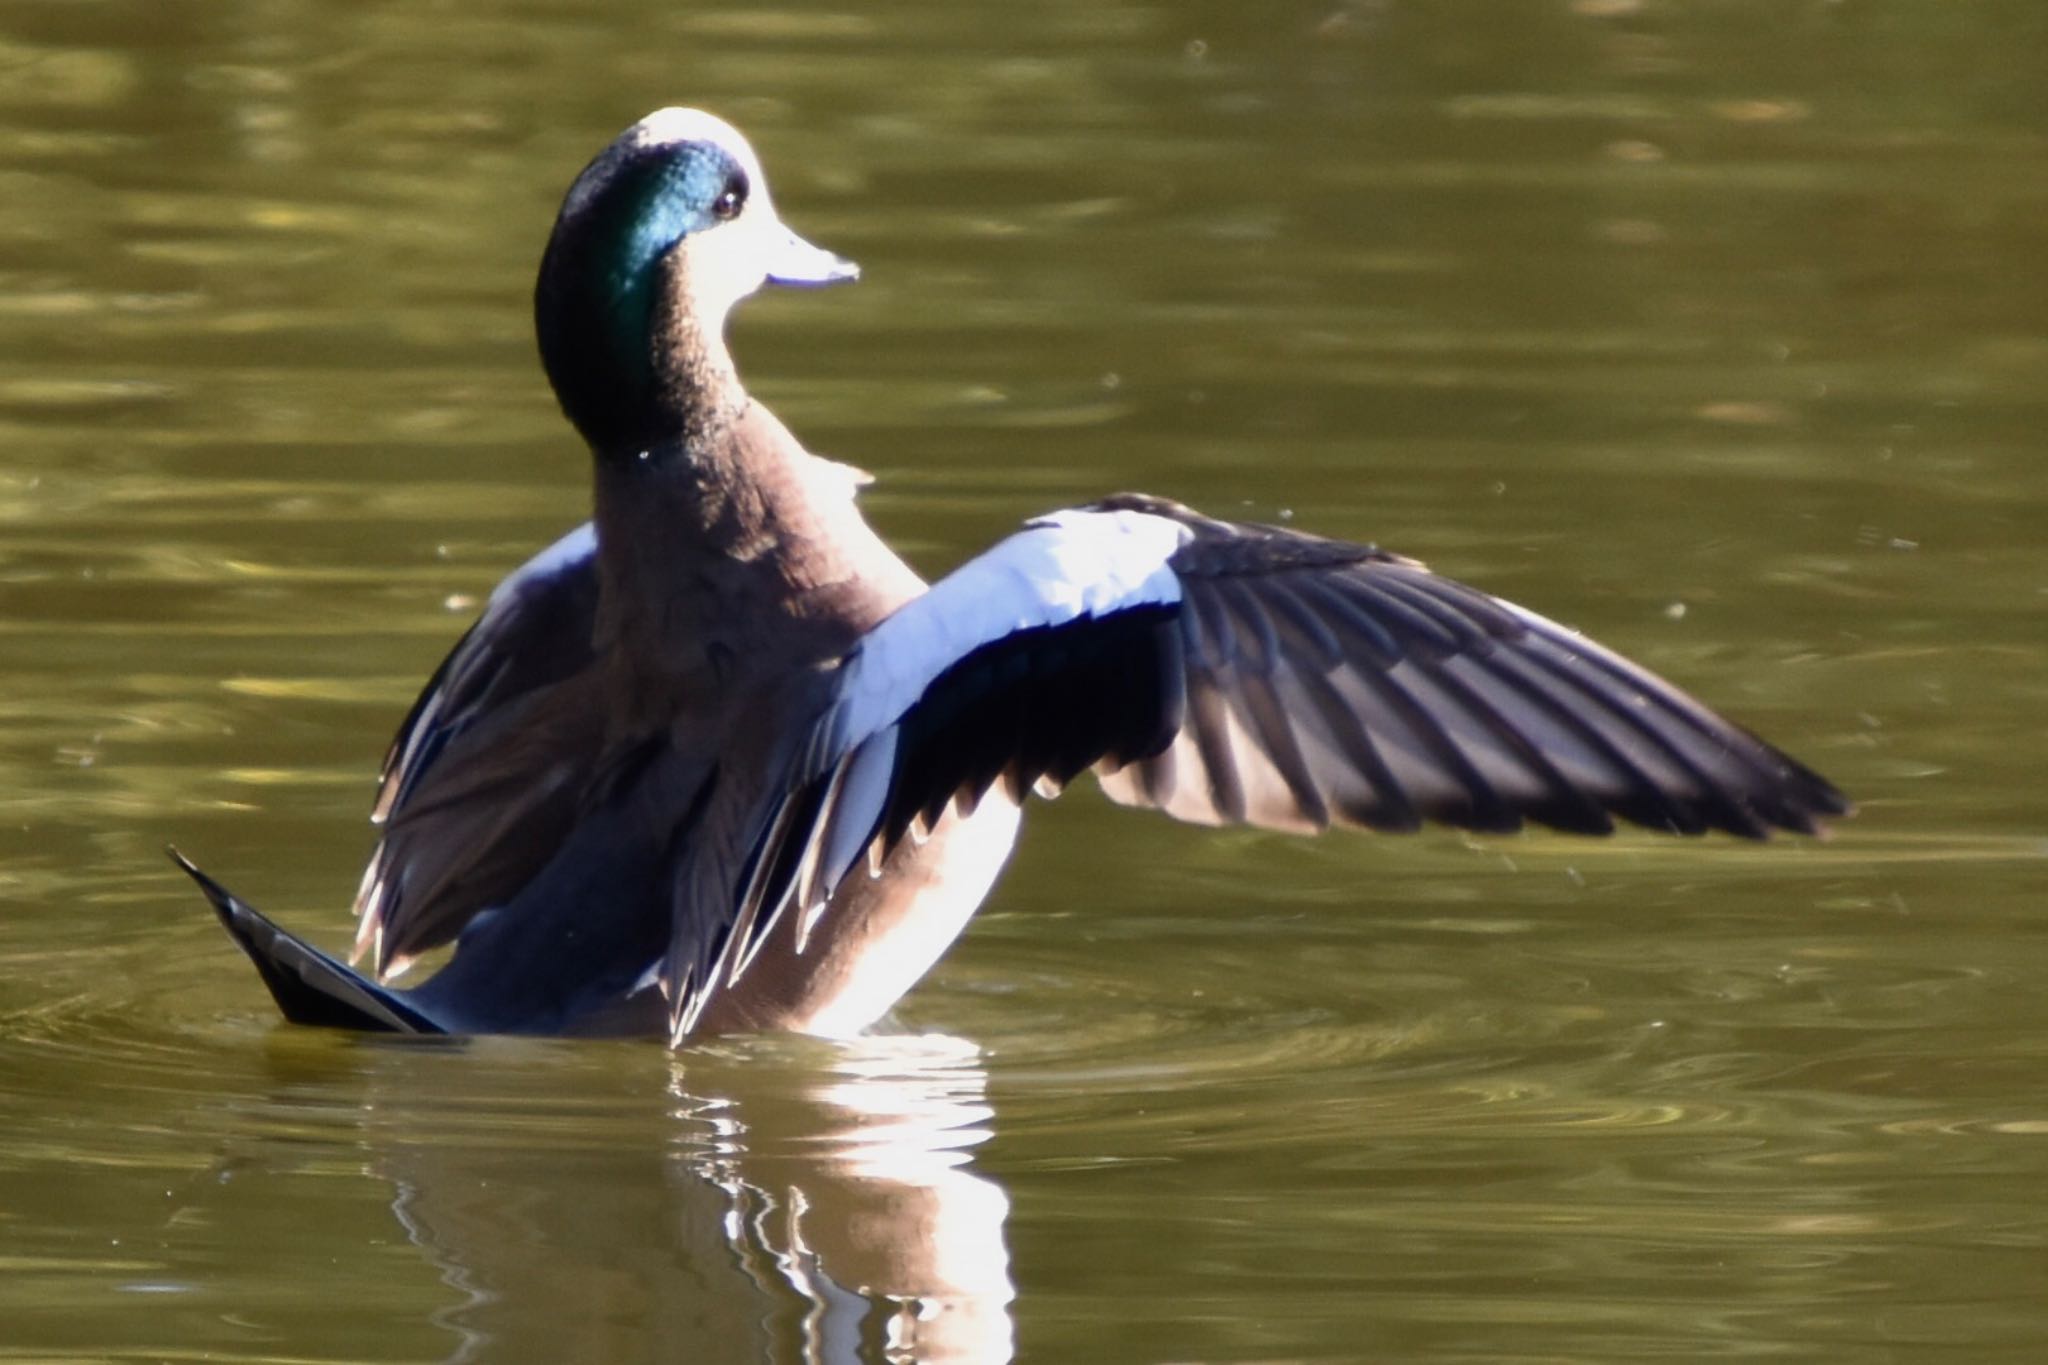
(730, 542)
(693, 397)
(705, 490)
(636, 360)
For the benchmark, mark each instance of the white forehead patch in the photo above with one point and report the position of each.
(665, 128)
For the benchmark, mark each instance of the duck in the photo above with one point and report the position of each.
(718, 761)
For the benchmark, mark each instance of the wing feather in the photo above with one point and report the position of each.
(1238, 674)
(483, 780)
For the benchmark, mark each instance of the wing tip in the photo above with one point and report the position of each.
(308, 986)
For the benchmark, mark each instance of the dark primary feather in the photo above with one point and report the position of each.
(309, 986)
(1043, 704)
(1300, 682)
(571, 954)
(536, 634)
(482, 782)
(1412, 695)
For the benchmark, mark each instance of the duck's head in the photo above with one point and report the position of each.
(667, 229)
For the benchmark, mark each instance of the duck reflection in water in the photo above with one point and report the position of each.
(719, 761)
(811, 1202)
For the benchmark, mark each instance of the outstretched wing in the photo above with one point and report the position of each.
(1228, 673)
(482, 782)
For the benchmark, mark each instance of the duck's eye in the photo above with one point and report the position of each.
(726, 207)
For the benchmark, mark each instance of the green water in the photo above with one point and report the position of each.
(1718, 329)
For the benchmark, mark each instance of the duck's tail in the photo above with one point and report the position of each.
(308, 985)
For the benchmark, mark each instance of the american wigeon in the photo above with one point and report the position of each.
(720, 761)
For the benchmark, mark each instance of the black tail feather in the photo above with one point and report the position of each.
(309, 986)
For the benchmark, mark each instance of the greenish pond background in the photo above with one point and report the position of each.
(1717, 329)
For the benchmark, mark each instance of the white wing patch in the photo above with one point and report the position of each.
(1060, 568)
